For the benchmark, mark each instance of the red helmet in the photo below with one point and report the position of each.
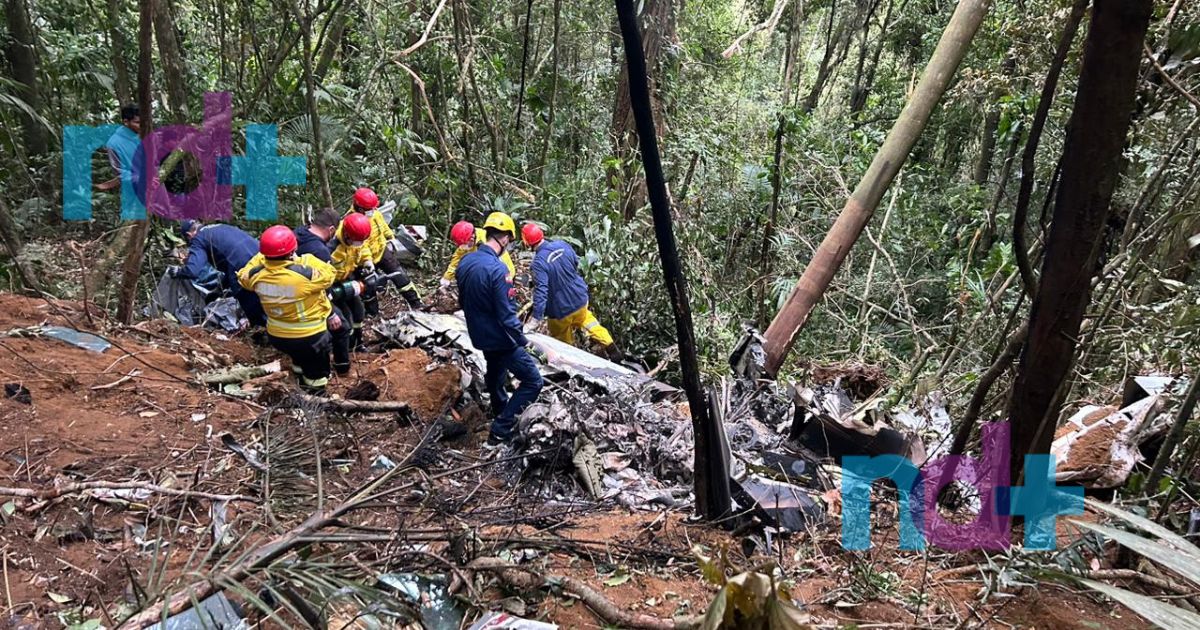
(366, 199)
(356, 227)
(277, 242)
(531, 234)
(462, 233)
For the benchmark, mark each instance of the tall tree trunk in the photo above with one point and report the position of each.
(117, 47)
(310, 96)
(764, 253)
(21, 52)
(171, 57)
(711, 467)
(1095, 136)
(12, 242)
(864, 85)
(332, 41)
(992, 222)
(132, 269)
(524, 63)
(541, 163)
(657, 24)
(1028, 163)
(861, 205)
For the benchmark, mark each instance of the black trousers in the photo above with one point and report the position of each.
(353, 310)
(341, 340)
(389, 264)
(310, 354)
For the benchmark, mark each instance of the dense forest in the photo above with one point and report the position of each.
(1023, 246)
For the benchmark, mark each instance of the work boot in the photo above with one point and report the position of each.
(342, 369)
(414, 301)
(356, 340)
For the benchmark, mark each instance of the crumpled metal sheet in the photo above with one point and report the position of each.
(410, 328)
(1098, 446)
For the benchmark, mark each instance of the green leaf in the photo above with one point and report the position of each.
(1174, 559)
(58, 599)
(1148, 526)
(617, 579)
(1160, 614)
(90, 624)
(716, 611)
(8, 509)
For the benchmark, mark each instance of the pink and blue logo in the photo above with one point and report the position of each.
(1040, 501)
(261, 170)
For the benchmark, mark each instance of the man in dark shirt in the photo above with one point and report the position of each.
(492, 324)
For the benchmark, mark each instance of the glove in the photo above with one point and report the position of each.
(335, 322)
(531, 325)
(368, 267)
(444, 283)
(173, 270)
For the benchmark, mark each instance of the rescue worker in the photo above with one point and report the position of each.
(350, 258)
(560, 293)
(483, 293)
(383, 246)
(314, 237)
(468, 239)
(226, 248)
(300, 316)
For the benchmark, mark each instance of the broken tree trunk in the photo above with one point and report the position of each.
(132, 269)
(866, 196)
(1091, 161)
(711, 473)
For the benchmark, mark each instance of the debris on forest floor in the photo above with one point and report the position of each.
(115, 446)
(1099, 446)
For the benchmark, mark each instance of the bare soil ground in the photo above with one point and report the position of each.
(135, 413)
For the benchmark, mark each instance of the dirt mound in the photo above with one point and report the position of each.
(408, 375)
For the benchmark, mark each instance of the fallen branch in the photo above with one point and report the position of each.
(352, 406)
(1188, 96)
(127, 377)
(239, 374)
(74, 488)
(768, 25)
(527, 579)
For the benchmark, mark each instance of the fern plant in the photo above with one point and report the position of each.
(1157, 544)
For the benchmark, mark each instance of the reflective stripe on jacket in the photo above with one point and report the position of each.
(381, 233)
(292, 292)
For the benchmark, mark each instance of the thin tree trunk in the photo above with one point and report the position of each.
(711, 470)
(21, 51)
(332, 42)
(132, 269)
(541, 164)
(310, 95)
(859, 102)
(171, 57)
(861, 205)
(764, 254)
(524, 62)
(992, 223)
(1186, 409)
(1095, 136)
(1028, 163)
(117, 47)
(1012, 347)
(12, 243)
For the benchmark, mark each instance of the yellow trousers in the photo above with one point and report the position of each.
(564, 329)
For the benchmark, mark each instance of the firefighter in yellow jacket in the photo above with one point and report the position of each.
(383, 247)
(351, 259)
(468, 239)
(300, 317)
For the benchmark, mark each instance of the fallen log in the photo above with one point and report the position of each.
(527, 579)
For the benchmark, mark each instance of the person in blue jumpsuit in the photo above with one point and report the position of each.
(226, 248)
(483, 294)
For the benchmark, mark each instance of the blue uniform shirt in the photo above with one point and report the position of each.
(483, 295)
(309, 243)
(559, 290)
(223, 246)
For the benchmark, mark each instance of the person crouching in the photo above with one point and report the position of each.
(300, 316)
